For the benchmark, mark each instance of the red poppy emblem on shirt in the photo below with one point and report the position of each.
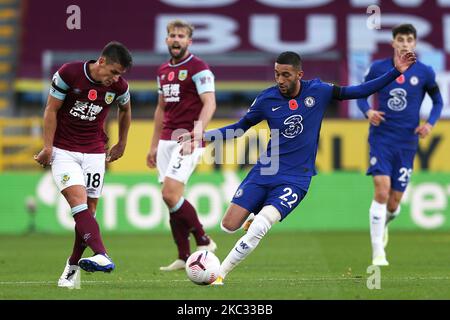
(171, 76)
(400, 79)
(293, 105)
(92, 95)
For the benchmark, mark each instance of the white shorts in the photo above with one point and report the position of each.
(170, 163)
(75, 168)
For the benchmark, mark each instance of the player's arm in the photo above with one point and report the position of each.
(50, 121)
(56, 96)
(435, 95)
(209, 107)
(235, 130)
(157, 128)
(372, 86)
(124, 122)
(374, 116)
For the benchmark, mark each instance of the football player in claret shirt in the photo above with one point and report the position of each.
(294, 110)
(80, 98)
(186, 101)
(394, 132)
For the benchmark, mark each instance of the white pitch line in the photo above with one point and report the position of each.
(232, 281)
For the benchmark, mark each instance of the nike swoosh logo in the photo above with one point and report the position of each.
(275, 108)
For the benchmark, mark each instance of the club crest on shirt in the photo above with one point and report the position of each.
(109, 97)
(414, 81)
(309, 101)
(182, 75)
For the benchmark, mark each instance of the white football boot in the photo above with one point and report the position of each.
(176, 265)
(99, 262)
(380, 260)
(71, 277)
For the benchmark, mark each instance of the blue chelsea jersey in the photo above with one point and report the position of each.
(295, 126)
(401, 101)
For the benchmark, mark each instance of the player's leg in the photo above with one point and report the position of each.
(393, 205)
(180, 231)
(183, 216)
(172, 193)
(80, 245)
(93, 168)
(381, 160)
(247, 243)
(377, 216)
(276, 202)
(234, 218)
(401, 173)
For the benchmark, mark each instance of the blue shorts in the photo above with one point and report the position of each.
(253, 195)
(396, 163)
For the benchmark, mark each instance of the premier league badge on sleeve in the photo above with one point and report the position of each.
(109, 97)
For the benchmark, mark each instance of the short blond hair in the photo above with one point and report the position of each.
(180, 24)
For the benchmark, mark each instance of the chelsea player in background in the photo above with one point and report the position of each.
(294, 110)
(394, 132)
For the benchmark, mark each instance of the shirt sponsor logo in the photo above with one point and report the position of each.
(109, 97)
(182, 75)
(294, 126)
(171, 92)
(85, 110)
(397, 101)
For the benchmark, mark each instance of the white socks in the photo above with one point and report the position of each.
(246, 244)
(377, 223)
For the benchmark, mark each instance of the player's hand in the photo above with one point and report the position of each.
(189, 136)
(188, 147)
(405, 61)
(424, 130)
(375, 117)
(151, 157)
(115, 152)
(44, 157)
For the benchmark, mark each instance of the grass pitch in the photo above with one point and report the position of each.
(285, 266)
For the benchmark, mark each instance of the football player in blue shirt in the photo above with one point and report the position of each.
(294, 110)
(394, 132)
